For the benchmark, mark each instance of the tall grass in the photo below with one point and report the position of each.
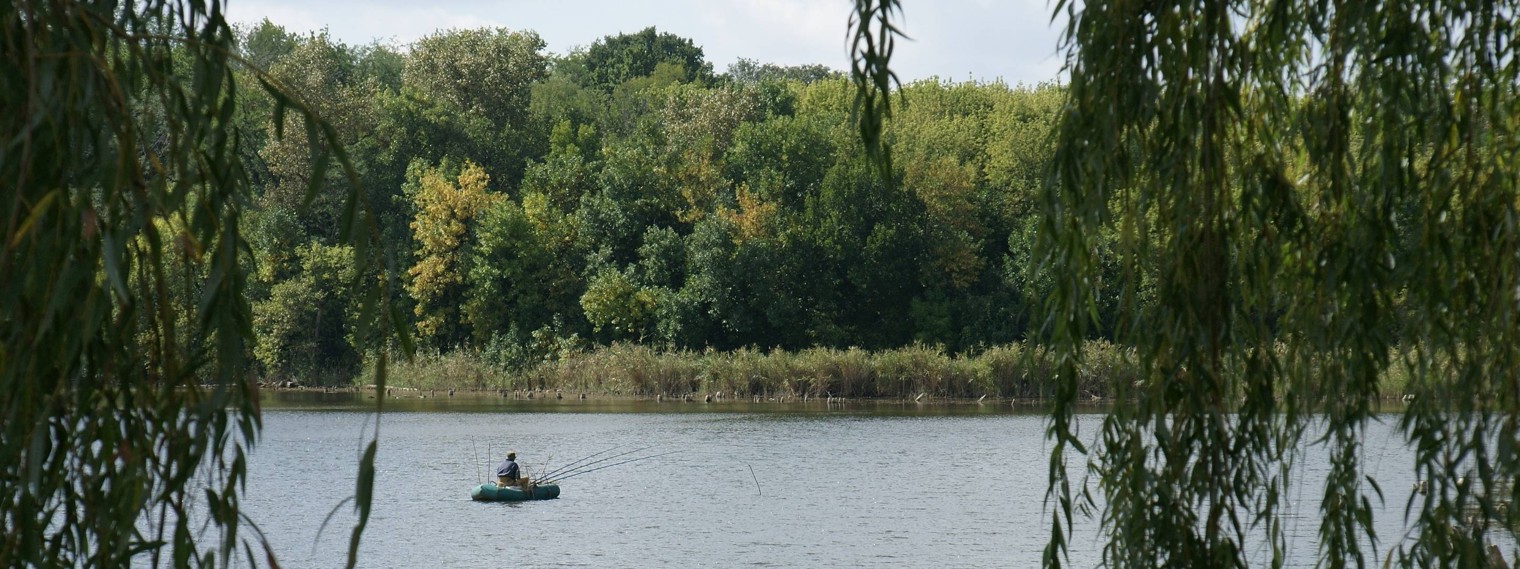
(1010, 371)
(459, 369)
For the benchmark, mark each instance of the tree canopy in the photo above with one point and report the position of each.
(722, 213)
(613, 60)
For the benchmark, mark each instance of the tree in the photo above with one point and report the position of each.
(564, 94)
(515, 277)
(323, 74)
(699, 125)
(125, 181)
(751, 71)
(260, 46)
(486, 72)
(613, 60)
(567, 172)
(1318, 195)
(872, 234)
(754, 278)
(464, 95)
(304, 325)
(380, 63)
(265, 43)
(637, 191)
(445, 214)
(782, 159)
(618, 308)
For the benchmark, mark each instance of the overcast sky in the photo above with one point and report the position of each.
(984, 40)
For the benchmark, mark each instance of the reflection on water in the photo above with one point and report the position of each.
(768, 484)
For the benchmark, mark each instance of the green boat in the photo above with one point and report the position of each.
(490, 492)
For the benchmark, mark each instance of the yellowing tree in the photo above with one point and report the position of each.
(441, 229)
(754, 217)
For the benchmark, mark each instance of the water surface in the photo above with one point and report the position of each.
(747, 485)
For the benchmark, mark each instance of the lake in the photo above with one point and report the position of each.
(746, 485)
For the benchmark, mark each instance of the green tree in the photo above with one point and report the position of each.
(486, 72)
(754, 278)
(381, 63)
(872, 235)
(710, 309)
(699, 123)
(614, 60)
(618, 308)
(637, 191)
(260, 46)
(124, 443)
(323, 74)
(751, 71)
(305, 324)
(568, 172)
(516, 275)
(464, 95)
(974, 154)
(698, 127)
(782, 159)
(266, 43)
(564, 94)
(1019, 146)
(941, 138)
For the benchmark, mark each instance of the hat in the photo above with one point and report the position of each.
(512, 454)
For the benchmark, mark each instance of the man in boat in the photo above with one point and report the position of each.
(507, 471)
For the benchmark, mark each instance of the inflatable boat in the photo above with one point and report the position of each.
(490, 492)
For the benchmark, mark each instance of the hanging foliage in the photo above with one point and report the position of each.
(127, 406)
(1308, 198)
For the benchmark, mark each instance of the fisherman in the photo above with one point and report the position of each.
(507, 471)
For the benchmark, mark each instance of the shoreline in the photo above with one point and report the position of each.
(416, 394)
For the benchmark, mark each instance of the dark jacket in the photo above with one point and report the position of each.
(507, 469)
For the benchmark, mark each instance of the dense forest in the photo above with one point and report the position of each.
(533, 205)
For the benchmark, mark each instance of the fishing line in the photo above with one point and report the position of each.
(633, 460)
(599, 461)
(595, 462)
(581, 460)
(586, 467)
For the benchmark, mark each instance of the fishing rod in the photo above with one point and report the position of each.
(594, 462)
(580, 472)
(527, 469)
(581, 460)
(757, 479)
(565, 470)
(574, 474)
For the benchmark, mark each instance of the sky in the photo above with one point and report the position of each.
(954, 40)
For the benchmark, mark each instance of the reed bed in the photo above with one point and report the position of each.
(432, 370)
(1020, 371)
(917, 371)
